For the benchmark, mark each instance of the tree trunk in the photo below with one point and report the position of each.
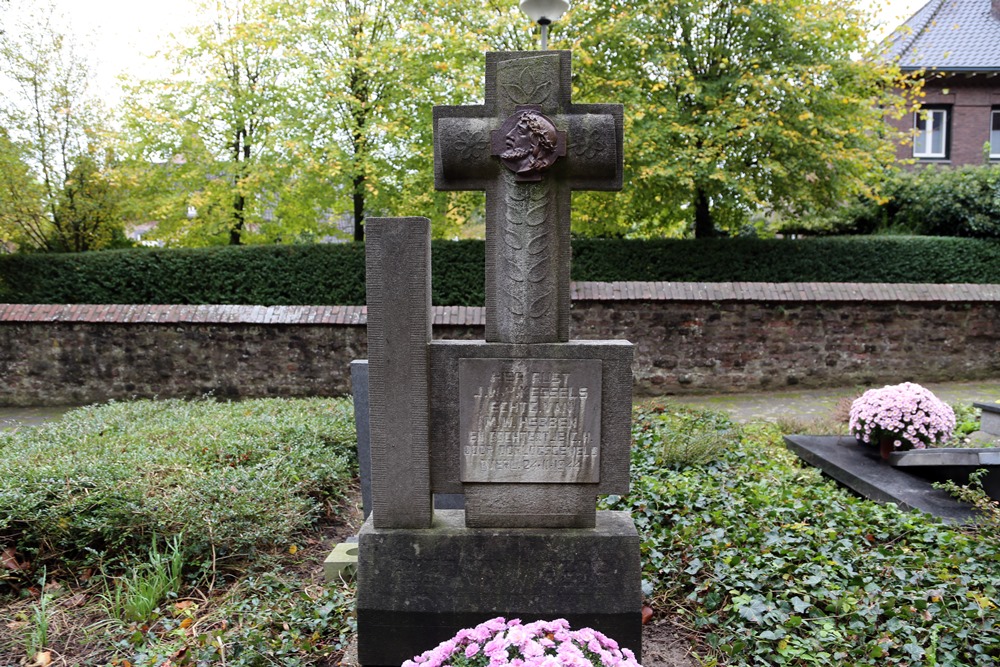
(703, 227)
(359, 207)
(236, 231)
(241, 149)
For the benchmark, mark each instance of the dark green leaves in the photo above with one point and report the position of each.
(779, 566)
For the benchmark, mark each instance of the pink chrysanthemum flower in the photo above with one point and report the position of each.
(500, 643)
(909, 414)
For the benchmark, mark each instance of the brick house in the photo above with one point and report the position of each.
(956, 44)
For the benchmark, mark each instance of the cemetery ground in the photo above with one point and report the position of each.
(193, 533)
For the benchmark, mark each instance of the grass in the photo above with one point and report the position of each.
(136, 596)
(37, 637)
(761, 558)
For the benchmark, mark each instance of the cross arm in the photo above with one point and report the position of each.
(595, 146)
(462, 158)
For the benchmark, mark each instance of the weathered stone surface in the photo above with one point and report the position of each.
(616, 403)
(531, 503)
(359, 393)
(535, 505)
(398, 283)
(683, 345)
(861, 469)
(990, 420)
(569, 147)
(530, 420)
(417, 588)
(700, 345)
(359, 390)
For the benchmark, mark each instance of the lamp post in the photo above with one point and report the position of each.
(544, 12)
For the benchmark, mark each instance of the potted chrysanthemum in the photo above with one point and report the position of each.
(502, 643)
(901, 417)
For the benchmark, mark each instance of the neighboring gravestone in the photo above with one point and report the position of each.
(527, 424)
(989, 422)
(359, 391)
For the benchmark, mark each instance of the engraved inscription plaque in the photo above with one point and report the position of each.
(530, 420)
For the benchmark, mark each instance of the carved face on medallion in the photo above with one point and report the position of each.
(531, 144)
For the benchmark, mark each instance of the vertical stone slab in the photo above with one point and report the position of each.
(359, 392)
(398, 282)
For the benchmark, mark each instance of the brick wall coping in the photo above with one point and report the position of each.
(881, 292)
(473, 316)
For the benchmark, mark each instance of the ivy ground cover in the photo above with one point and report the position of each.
(769, 563)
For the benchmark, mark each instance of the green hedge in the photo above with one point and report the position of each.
(334, 274)
(260, 275)
(839, 259)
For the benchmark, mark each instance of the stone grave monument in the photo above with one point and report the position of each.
(528, 425)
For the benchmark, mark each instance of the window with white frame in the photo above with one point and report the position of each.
(995, 134)
(931, 136)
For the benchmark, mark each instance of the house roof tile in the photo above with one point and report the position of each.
(948, 35)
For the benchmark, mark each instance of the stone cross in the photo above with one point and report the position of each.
(529, 426)
(528, 147)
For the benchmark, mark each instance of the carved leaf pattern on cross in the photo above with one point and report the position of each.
(527, 248)
(528, 86)
(470, 143)
(590, 145)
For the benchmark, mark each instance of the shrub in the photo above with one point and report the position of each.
(258, 275)
(964, 201)
(335, 274)
(502, 643)
(843, 259)
(909, 414)
(232, 477)
(678, 437)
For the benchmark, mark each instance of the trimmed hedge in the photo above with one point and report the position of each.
(334, 274)
(838, 259)
(259, 275)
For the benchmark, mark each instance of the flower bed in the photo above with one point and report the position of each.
(498, 643)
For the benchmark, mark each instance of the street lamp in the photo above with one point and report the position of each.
(544, 12)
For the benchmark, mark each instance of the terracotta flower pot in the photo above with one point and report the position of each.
(885, 446)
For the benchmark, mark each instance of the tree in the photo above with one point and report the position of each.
(22, 213)
(294, 114)
(734, 108)
(205, 149)
(371, 72)
(53, 151)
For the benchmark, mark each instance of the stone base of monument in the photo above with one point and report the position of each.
(417, 588)
(955, 464)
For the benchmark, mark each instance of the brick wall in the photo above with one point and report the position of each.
(689, 338)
